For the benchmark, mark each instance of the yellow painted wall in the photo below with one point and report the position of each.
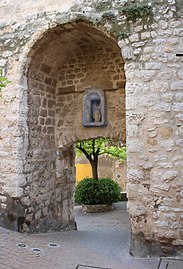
(82, 171)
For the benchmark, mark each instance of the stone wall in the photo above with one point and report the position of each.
(38, 125)
(56, 85)
(154, 135)
(52, 107)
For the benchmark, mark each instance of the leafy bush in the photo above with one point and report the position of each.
(91, 191)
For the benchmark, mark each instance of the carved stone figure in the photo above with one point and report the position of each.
(97, 113)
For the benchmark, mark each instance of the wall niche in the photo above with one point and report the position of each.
(94, 108)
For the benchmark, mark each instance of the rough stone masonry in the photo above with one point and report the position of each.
(53, 52)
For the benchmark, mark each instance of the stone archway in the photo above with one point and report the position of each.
(64, 63)
(153, 109)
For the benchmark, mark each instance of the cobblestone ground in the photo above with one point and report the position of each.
(102, 240)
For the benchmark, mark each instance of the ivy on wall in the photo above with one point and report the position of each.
(131, 13)
(137, 11)
(119, 18)
(3, 82)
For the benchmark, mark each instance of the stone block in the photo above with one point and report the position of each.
(38, 214)
(167, 97)
(43, 113)
(131, 102)
(153, 66)
(96, 208)
(178, 107)
(51, 113)
(170, 216)
(51, 103)
(176, 86)
(170, 175)
(134, 38)
(50, 130)
(165, 131)
(138, 44)
(45, 69)
(68, 89)
(135, 146)
(147, 75)
(26, 201)
(145, 35)
(163, 187)
(135, 176)
(3, 199)
(36, 75)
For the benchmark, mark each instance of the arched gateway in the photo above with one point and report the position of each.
(74, 68)
(65, 63)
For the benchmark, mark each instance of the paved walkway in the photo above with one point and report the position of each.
(102, 240)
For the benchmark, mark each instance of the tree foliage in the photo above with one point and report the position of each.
(101, 146)
(93, 148)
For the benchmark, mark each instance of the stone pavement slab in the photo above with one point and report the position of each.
(102, 240)
(88, 267)
(170, 263)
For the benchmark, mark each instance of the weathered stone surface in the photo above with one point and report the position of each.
(51, 62)
(96, 208)
(135, 176)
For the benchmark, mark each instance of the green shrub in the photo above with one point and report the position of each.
(91, 191)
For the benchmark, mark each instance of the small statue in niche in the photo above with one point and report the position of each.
(94, 108)
(96, 112)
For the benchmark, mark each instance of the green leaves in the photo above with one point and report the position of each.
(101, 191)
(114, 151)
(3, 82)
(101, 146)
(137, 11)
